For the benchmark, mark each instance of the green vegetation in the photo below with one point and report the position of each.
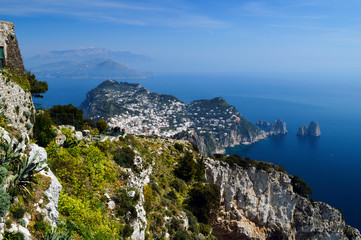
(4, 201)
(37, 88)
(203, 202)
(67, 115)
(25, 174)
(246, 162)
(43, 130)
(102, 125)
(188, 168)
(9, 152)
(20, 79)
(300, 187)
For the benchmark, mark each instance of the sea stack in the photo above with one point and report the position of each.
(312, 130)
(302, 131)
(278, 127)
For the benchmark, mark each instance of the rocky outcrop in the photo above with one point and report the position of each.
(277, 127)
(138, 182)
(312, 130)
(262, 205)
(207, 144)
(302, 131)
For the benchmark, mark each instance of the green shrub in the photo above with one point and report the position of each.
(3, 174)
(55, 234)
(43, 132)
(178, 146)
(181, 235)
(13, 236)
(205, 229)
(204, 201)
(4, 201)
(188, 168)
(67, 115)
(102, 125)
(179, 185)
(300, 187)
(71, 140)
(18, 211)
(127, 231)
(124, 157)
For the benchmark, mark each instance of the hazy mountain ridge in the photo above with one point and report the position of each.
(85, 54)
(87, 63)
(95, 68)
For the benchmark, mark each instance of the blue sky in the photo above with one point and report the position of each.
(199, 36)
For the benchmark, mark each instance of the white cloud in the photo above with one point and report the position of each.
(129, 13)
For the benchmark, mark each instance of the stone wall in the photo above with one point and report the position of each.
(16, 104)
(12, 53)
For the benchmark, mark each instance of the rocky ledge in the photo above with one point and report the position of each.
(256, 204)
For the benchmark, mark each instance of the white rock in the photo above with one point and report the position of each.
(111, 205)
(53, 192)
(78, 135)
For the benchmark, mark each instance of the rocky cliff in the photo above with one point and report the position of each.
(277, 127)
(256, 204)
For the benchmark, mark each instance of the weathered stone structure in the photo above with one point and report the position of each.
(15, 103)
(10, 55)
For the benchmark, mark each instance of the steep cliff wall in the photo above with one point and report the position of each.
(262, 205)
(16, 105)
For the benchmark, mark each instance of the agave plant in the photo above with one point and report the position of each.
(25, 173)
(54, 234)
(9, 152)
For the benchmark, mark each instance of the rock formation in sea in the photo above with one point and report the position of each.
(312, 130)
(302, 131)
(277, 127)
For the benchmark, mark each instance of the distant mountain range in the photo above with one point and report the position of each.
(86, 63)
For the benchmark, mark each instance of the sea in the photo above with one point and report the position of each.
(330, 164)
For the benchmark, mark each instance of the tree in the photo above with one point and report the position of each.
(43, 131)
(204, 201)
(37, 88)
(67, 115)
(102, 125)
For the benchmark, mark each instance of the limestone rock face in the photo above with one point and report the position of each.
(262, 205)
(314, 129)
(39, 154)
(19, 105)
(302, 131)
(277, 127)
(138, 182)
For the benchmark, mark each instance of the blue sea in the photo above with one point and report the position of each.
(330, 164)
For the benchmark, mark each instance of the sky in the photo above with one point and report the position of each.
(199, 36)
